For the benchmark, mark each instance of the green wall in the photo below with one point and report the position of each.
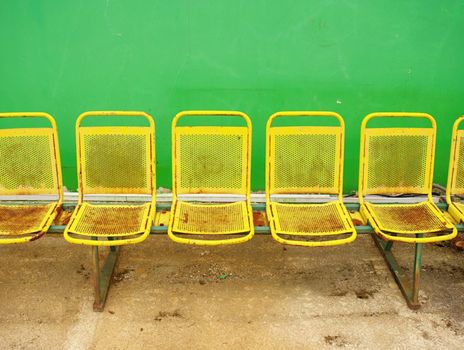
(257, 56)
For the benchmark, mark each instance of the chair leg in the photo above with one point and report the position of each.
(409, 290)
(103, 276)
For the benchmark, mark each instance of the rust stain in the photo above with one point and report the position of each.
(25, 192)
(310, 220)
(409, 218)
(15, 220)
(211, 219)
(259, 218)
(458, 243)
(222, 218)
(110, 220)
(185, 218)
(37, 236)
(357, 222)
(413, 214)
(63, 217)
(323, 224)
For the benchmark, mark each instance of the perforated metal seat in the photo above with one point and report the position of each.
(400, 161)
(211, 160)
(223, 218)
(456, 209)
(29, 165)
(311, 219)
(24, 219)
(114, 160)
(110, 220)
(416, 218)
(306, 160)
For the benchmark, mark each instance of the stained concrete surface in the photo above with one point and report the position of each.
(257, 295)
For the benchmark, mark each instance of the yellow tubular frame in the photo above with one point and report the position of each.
(370, 216)
(151, 213)
(53, 213)
(342, 210)
(453, 209)
(174, 179)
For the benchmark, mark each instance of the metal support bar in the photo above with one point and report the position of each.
(389, 245)
(259, 230)
(409, 290)
(350, 206)
(104, 275)
(417, 272)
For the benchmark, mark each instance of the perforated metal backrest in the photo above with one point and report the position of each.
(29, 158)
(116, 159)
(456, 168)
(305, 159)
(211, 159)
(397, 160)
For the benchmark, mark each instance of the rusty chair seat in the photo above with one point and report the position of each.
(99, 220)
(26, 220)
(401, 220)
(322, 219)
(208, 218)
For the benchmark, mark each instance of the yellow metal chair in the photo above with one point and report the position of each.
(306, 160)
(113, 160)
(29, 167)
(212, 160)
(455, 187)
(399, 161)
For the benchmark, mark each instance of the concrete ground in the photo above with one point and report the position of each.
(258, 295)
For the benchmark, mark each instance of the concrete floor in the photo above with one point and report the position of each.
(258, 295)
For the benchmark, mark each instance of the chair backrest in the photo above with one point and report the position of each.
(211, 159)
(304, 159)
(455, 184)
(396, 160)
(30, 158)
(116, 159)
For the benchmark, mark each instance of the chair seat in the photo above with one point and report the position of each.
(417, 218)
(110, 220)
(25, 219)
(460, 207)
(217, 218)
(311, 219)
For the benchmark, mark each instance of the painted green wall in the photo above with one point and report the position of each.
(257, 56)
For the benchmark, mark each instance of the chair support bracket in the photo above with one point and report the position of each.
(103, 275)
(409, 290)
